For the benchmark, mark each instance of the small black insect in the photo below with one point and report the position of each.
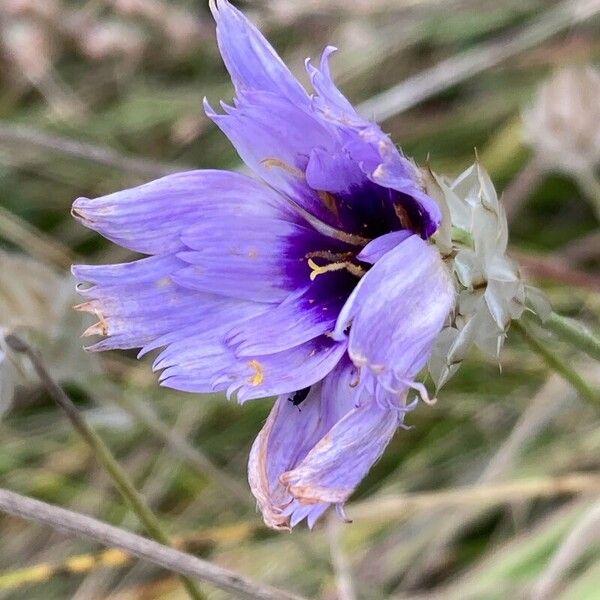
(299, 397)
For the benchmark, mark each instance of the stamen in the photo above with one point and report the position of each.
(337, 266)
(403, 217)
(328, 230)
(328, 255)
(275, 162)
(329, 202)
(259, 372)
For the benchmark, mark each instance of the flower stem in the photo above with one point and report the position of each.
(557, 364)
(575, 333)
(102, 453)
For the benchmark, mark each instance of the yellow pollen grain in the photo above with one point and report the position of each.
(259, 372)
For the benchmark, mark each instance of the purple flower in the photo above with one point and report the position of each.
(313, 282)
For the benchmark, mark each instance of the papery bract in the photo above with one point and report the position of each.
(473, 237)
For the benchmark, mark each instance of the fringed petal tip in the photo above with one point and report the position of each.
(78, 211)
(304, 462)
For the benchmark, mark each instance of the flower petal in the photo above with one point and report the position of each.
(307, 457)
(396, 311)
(284, 372)
(198, 363)
(275, 138)
(252, 62)
(375, 249)
(333, 172)
(149, 218)
(286, 438)
(138, 304)
(252, 258)
(337, 464)
(291, 323)
(329, 100)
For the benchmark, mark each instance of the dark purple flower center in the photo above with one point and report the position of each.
(329, 260)
(371, 210)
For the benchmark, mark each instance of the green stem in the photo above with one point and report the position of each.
(557, 364)
(575, 333)
(102, 452)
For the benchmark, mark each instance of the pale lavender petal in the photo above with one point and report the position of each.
(293, 322)
(193, 363)
(396, 311)
(307, 457)
(333, 172)
(281, 373)
(375, 249)
(337, 464)
(252, 258)
(202, 363)
(329, 100)
(275, 138)
(138, 305)
(286, 438)
(251, 61)
(135, 302)
(149, 218)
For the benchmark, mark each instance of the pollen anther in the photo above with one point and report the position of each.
(317, 270)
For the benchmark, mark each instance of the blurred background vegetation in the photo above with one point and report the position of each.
(491, 483)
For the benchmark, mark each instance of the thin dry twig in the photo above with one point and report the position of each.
(583, 248)
(465, 65)
(556, 269)
(115, 557)
(20, 134)
(101, 451)
(33, 241)
(402, 505)
(581, 537)
(521, 187)
(163, 556)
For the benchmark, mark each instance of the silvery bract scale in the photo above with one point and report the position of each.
(490, 291)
